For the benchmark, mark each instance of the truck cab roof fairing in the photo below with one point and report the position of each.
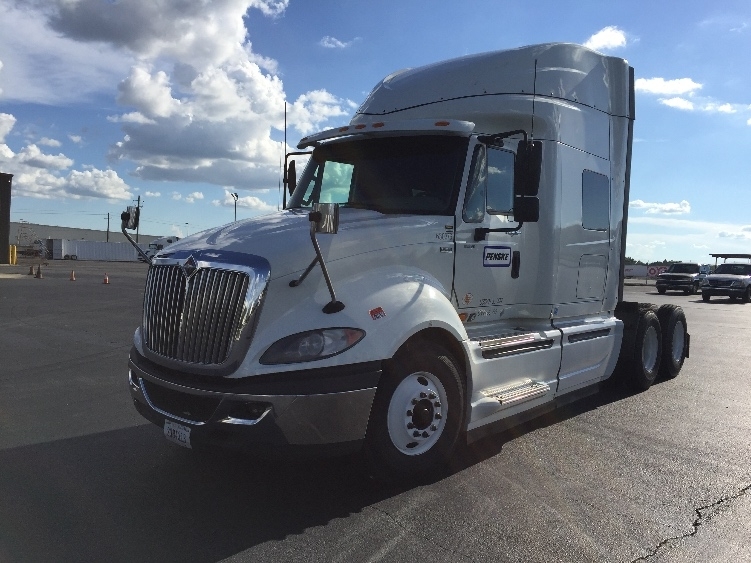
(558, 70)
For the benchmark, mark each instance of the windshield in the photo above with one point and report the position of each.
(684, 269)
(418, 174)
(734, 269)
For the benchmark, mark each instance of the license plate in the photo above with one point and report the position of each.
(177, 433)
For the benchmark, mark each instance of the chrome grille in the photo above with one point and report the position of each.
(720, 283)
(194, 319)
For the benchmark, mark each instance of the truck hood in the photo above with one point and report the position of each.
(726, 277)
(283, 238)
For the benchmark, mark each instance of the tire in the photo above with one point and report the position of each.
(747, 294)
(674, 340)
(705, 297)
(647, 353)
(695, 289)
(661, 290)
(418, 413)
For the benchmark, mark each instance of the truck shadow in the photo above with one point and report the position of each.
(126, 495)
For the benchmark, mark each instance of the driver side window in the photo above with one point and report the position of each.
(490, 187)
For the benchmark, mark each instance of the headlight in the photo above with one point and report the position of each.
(311, 345)
(737, 283)
(705, 282)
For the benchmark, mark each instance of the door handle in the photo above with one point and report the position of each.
(515, 264)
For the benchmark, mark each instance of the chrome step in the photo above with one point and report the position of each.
(509, 395)
(518, 343)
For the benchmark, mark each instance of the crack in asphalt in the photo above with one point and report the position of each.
(702, 513)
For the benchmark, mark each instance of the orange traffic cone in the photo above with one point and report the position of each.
(31, 270)
(39, 272)
(106, 279)
(72, 276)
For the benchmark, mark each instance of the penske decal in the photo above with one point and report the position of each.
(496, 257)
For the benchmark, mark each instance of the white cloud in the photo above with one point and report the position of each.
(606, 39)
(190, 198)
(39, 175)
(678, 103)
(7, 122)
(198, 105)
(334, 43)
(310, 109)
(153, 194)
(40, 66)
(49, 142)
(660, 86)
(247, 202)
(75, 138)
(32, 156)
(739, 236)
(150, 93)
(662, 208)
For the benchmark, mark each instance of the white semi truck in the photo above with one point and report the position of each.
(449, 264)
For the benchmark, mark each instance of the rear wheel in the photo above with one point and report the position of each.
(674, 339)
(661, 290)
(418, 412)
(705, 297)
(645, 362)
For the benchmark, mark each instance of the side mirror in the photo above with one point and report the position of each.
(291, 177)
(130, 217)
(527, 168)
(526, 209)
(326, 218)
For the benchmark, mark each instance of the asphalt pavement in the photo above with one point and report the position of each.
(657, 476)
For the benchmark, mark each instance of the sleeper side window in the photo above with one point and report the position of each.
(595, 201)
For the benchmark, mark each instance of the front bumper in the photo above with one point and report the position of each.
(723, 291)
(675, 285)
(306, 411)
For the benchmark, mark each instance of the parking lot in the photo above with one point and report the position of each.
(657, 476)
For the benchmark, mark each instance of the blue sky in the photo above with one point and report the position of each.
(182, 102)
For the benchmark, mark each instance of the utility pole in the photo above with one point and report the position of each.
(234, 196)
(108, 227)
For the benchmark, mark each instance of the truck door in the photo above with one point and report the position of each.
(487, 271)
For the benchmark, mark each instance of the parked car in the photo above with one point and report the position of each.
(729, 280)
(684, 276)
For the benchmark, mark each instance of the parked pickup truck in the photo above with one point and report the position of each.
(685, 277)
(729, 280)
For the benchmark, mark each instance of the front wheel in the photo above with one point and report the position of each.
(661, 290)
(747, 294)
(418, 412)
(705, 297)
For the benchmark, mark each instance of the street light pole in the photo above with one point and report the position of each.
(234, 196)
